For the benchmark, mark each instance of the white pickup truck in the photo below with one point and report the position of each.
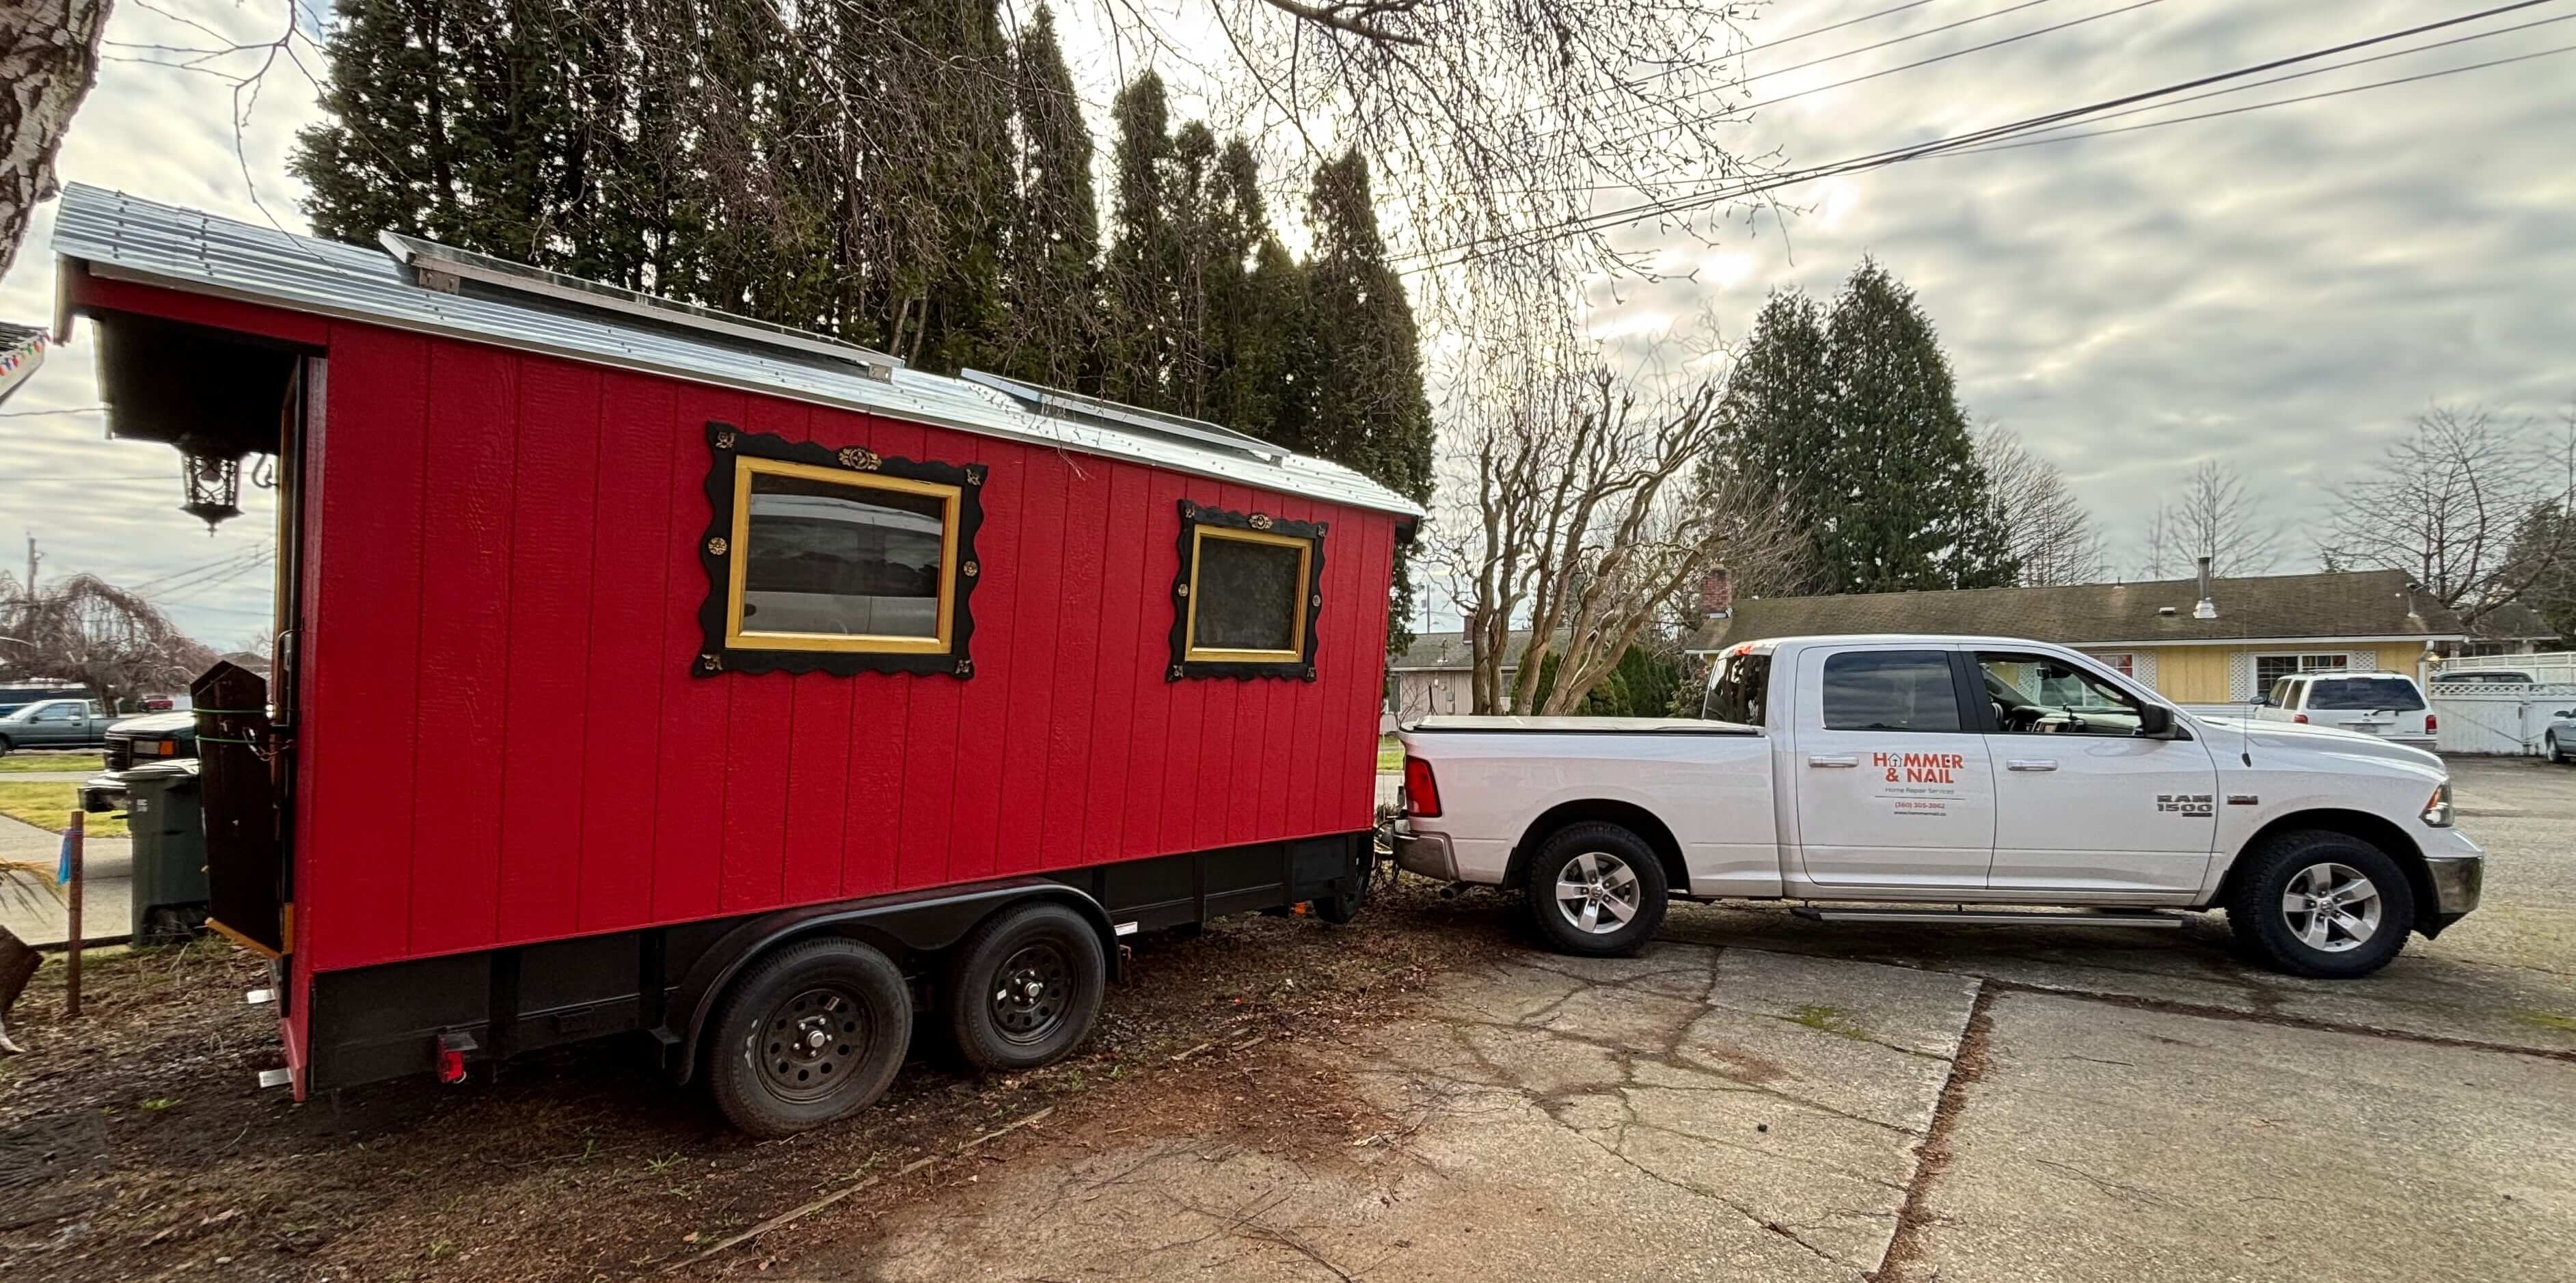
(2009, 780)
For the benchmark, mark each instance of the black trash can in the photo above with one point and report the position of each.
(162, 810)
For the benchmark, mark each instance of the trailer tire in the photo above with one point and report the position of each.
(1024, 987)
(2365, 887)
(1595, 862)
(771, 1077)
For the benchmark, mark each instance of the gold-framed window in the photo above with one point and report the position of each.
(1247, 598)
(836, 560)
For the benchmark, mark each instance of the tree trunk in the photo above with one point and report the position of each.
(18, 965)
(48, 61)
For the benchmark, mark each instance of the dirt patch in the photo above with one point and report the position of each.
(583, 1164)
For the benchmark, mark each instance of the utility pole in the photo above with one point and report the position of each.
(32, 559)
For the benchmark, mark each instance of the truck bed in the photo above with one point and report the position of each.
(1462, 724)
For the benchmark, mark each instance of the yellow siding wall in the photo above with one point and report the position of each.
(2192, 674)
(2401, 657)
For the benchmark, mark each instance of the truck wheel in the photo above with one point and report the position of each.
(812, 1033)
(4, 746)
(1024, 987)
(2323, 904)
(1596, 889)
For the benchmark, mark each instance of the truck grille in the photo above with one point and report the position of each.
(120, 752)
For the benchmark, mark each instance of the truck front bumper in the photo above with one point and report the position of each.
(2458, 870)
(1425, 853)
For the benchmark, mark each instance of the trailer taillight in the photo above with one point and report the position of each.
(1421, 792)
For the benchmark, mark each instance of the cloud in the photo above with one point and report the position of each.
(111, 508)
(2282, 289)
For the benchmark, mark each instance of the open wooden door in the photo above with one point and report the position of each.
(245, 860)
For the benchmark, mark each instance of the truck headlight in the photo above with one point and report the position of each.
(2437, 812)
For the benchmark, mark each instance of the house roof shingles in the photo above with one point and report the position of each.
(2362, 603)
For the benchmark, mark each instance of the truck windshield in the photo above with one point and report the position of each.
(1736, 688)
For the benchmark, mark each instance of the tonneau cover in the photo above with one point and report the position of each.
(1583, 725)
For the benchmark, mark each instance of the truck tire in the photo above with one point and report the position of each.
(813, 1031)
(2320, 903)
(1024, 987)
(1595, 889)
(4, 746)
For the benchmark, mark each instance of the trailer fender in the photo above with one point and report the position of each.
(908, 922)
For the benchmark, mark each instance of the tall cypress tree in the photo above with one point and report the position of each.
(1140, 276)
(1908, 506)
(1778, 417)
(389, 156)
(1052, 279)
(1363, 369)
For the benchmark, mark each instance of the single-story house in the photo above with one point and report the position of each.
(2198, 641)
(1436, 674)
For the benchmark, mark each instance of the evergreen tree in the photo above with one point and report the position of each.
(388, 157)
(1363, 360)
(1909, 507)
(1778, 415)
(1052, 278)
(1141, 275)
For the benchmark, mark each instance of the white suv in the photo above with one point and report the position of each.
(2388, 705)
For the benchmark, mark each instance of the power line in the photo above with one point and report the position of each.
(1670, 72)
(2278, 102)
(2159, 106)
(1486, 247)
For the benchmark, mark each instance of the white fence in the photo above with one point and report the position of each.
(2547, 666)
(2496, 718)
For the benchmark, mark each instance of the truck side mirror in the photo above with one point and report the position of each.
(2155, 720)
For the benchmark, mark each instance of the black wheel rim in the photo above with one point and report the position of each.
(1030, 993)
(812, 1043)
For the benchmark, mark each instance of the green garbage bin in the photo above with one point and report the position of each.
(162, 810)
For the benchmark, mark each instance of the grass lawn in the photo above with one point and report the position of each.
(1390, 755)
(17, 762)
(49, 806)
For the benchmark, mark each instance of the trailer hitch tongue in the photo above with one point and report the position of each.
(451, 1049)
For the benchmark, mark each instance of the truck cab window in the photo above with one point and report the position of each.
(2039, 695)
(1736, 690)
(1890, 690)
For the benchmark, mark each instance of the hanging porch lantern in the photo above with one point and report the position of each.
(213, 485)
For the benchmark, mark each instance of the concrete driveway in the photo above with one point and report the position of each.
(1759, 1097)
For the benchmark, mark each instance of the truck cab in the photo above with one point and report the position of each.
(1953, 770)
(54, 724)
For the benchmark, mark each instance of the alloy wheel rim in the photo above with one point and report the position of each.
(2332, 908)
(811, 1042)
(1597, 893)
(1031, 992)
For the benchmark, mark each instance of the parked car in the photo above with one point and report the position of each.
(54, 724)
(2388, 705)
(1858, 773)
(138, 741)
(2486, 677)
(2560, 737)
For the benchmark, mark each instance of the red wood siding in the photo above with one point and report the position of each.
(503, 742)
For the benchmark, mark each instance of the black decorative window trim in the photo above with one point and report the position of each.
(1193, 518)
(720, 544)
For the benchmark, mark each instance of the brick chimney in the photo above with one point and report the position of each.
(1717, 594)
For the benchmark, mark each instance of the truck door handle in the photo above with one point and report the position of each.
(1834, 759)
(2029, 764)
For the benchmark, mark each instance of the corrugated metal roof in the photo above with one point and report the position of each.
(127, 238)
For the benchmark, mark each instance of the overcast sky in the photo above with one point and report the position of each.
(2283, 289)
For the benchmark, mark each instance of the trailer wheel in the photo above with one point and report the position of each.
(811, 1033)
(1024, 986)
(1596, 889)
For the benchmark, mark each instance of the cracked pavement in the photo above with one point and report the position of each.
(1758, 1097)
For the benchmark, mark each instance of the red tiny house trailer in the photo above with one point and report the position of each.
(518, 757)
